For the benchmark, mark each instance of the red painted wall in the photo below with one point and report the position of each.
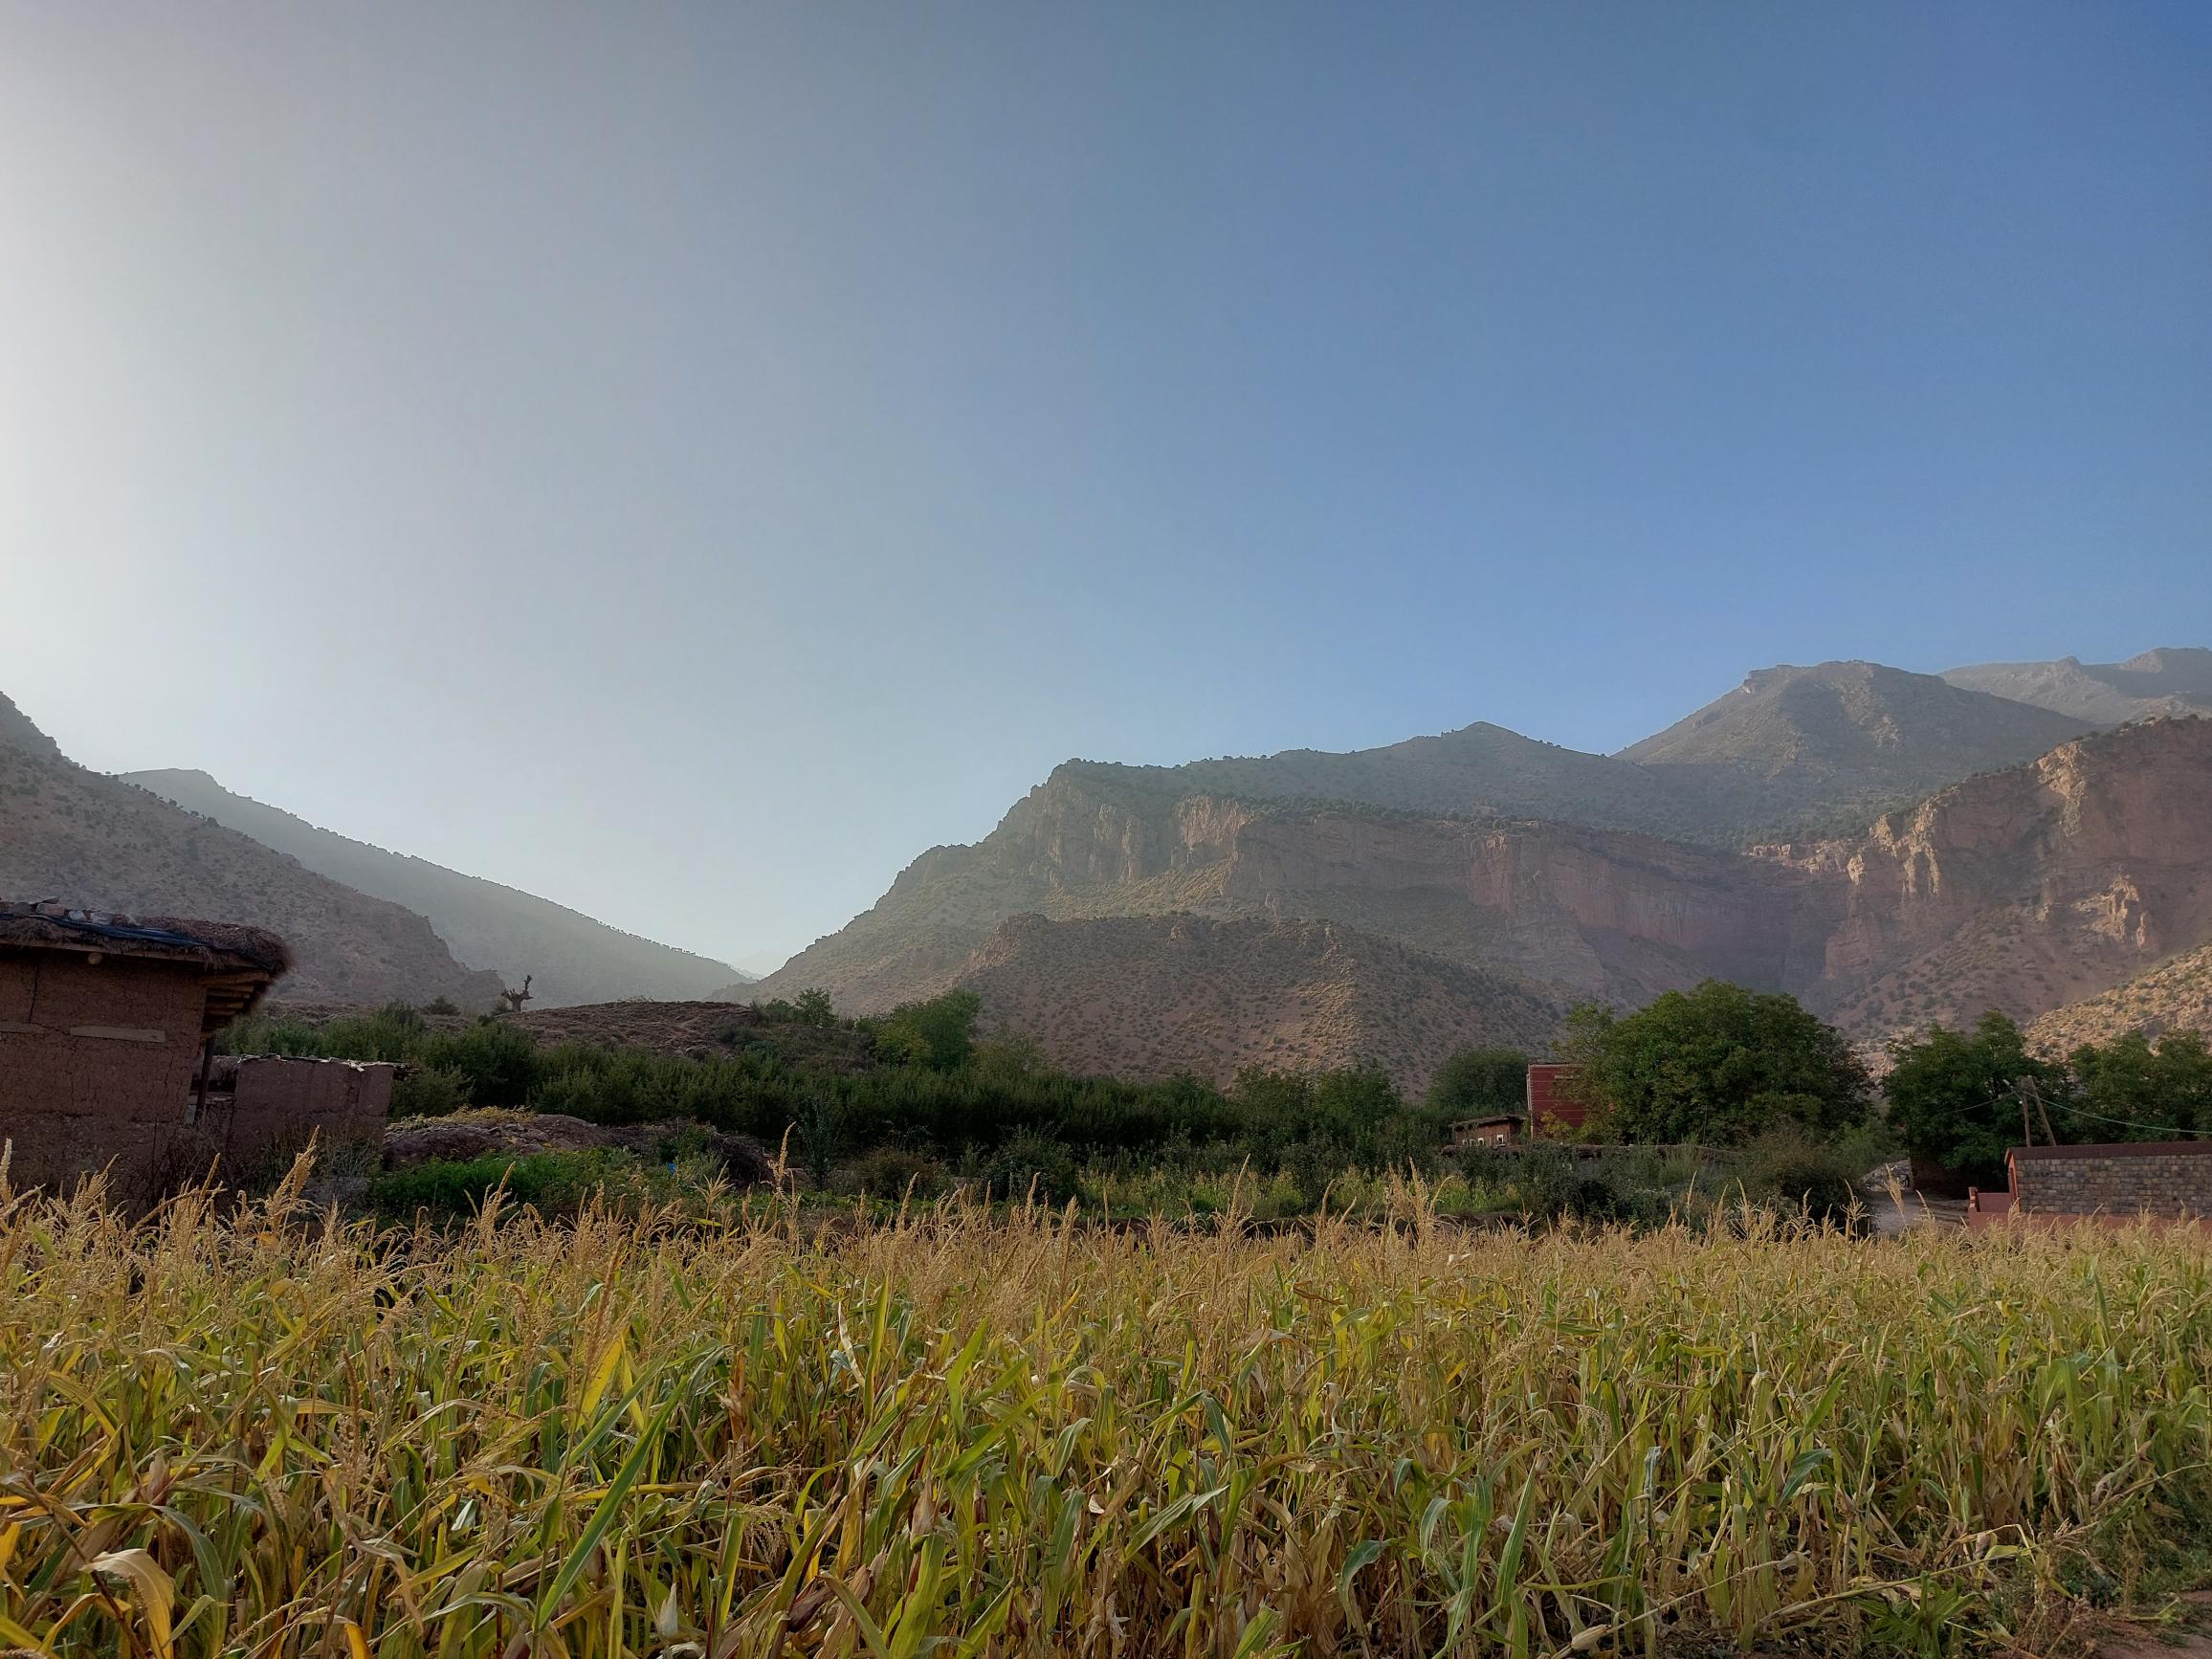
(1548, 1113)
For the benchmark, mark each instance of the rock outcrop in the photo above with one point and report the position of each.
(2021, 891)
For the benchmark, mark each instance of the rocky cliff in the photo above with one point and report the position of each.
(2022, 889)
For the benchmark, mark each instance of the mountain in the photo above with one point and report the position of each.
(1593, 912)
(1846, 740)
(2022, 891)
(2174, 996)
(2171, 681)
(75, 836)
(570, 958)
(2020, 888)
(1159, 996)
(1828, 746)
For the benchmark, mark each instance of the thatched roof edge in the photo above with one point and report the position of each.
(217, 946)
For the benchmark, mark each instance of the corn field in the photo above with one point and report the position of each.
(250, 1433)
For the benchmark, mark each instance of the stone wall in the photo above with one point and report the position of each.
(97, 1060)
(2166, 1179)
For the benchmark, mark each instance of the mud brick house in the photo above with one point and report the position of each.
(105, 1030)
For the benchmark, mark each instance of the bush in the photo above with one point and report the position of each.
(939, 1034)
(429, 1092)
(500, 1061)
(1789, 1172)
(891, 1172)
(550, 1182)
(1029, 1166)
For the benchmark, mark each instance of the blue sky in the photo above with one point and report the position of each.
(686, 460)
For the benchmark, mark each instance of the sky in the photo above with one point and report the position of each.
(686, 460)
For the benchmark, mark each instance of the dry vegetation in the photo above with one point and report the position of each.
(264, 1437)
(2175, 996)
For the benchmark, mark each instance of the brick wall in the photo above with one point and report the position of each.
(96, 1061)
(2168, 1178)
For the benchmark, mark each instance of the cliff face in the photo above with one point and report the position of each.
(2019, 890)
(1589, 911)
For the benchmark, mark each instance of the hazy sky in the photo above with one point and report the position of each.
(685, 461)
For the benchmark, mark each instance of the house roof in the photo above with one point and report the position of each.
(2115, 1149)
(238, 963)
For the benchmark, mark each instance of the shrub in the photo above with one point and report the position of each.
(939, 1034)
(891, 1172)
(550, 1182)
(429, 1092)
(1029, 1166)
(500, 1061)
(1790, 1172)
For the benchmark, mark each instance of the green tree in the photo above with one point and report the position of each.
(813, 1007)
(1473, 1082)
(1956, 1097)
(1716, 1065)
(939, 1034)
(2130, 1091)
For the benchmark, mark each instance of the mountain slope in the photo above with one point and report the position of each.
(2171, 681)
(1478, 846)
(1162, 996)
(72, 834)
(2021, 891)
(1591, 911)
(1847, 739)
(2174, 996)
(571, 957)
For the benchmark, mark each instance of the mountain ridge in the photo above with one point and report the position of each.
(571, 957)
(2165, 680)
(1927, 906)
(72, 835)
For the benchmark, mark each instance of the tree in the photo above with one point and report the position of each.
(2130, 1091)
(813, 1007)
(1474, 1082)
(1717, 1065)
(939, 1034)
(1956, 1097)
